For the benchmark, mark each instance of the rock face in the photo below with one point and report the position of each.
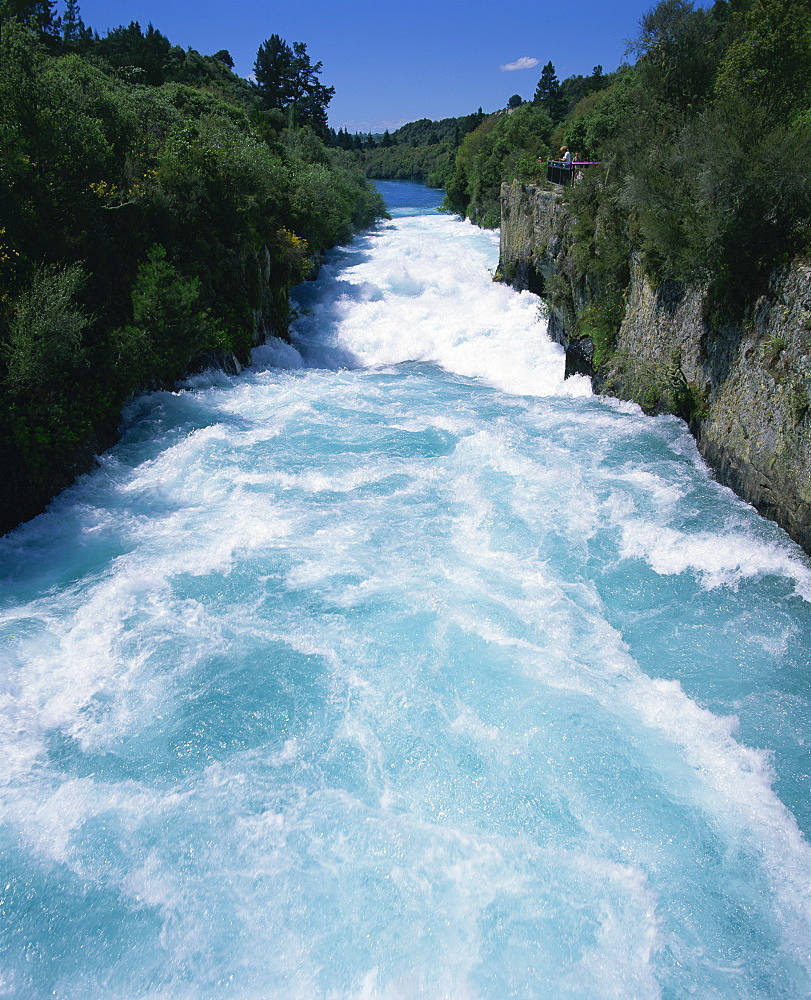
(532, 232)
(744, 390)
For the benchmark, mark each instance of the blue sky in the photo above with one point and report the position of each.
(393, 62)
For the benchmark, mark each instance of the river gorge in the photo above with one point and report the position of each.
(400, 666)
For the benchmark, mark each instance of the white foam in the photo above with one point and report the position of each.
(723, 559)
(260, 854)
(421, 299)
(728, 781)
(276, 353)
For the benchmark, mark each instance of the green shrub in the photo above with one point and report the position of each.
(505, 146)
(45, 337)
(178, 210)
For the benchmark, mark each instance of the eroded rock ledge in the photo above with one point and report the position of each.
(745, 390)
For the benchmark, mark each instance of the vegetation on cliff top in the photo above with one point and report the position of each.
(514, 144)
(153, 206)
(470, 156)
(704, 147)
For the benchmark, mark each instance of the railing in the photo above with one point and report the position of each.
(558, 172)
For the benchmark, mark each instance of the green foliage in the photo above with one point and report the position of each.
(679, 48)
(72, 28)
(772, 348)
(603, 115)
(549, 95)
(423, 163)
(704, 148)
(147, 55)
(44, 357)
(601, 321)
(769, 61)
(422, 151)
(45, 334)
(287, 81)
(425, 131)
(504, 146)
(169, 326)
(37, 15)
(179, 209)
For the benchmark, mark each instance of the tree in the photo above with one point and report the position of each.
(224, 56)
(149, 51)
(548, 94)
(770, 60)
(679, 48)
(288, 81)
(37, 14)
(71, 24)
(273, 69)
(515, 101)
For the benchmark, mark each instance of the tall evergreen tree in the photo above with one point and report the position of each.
(548, 94)
(71, 22)
(72, 27)
(273, 70)
(288, 81)
(37, 14)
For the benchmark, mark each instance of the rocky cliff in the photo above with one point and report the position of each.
(745, 389)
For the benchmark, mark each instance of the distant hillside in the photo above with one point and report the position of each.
(421, 151)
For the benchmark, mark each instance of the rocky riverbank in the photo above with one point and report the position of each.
(744, 389)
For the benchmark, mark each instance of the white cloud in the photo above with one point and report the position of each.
(525, 62)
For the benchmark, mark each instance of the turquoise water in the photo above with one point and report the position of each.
(399, 667)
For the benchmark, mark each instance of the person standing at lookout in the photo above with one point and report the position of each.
(566, 158)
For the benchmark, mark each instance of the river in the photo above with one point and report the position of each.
(397, 666)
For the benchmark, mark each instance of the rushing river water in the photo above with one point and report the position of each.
(399, 667)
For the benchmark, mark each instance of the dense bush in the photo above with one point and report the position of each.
(703, 148)
(151, 211)
(505, 145)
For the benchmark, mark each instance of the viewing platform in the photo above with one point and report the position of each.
(558, 172)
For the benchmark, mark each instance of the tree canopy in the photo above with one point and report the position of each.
(150, 214)
(548, 94)
(287, 81)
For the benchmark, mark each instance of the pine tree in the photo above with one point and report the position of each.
(73, 29)
(288, 81)
(273, 70)
(37, 14)
(548, 94)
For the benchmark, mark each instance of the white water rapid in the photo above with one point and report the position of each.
(398, 667)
